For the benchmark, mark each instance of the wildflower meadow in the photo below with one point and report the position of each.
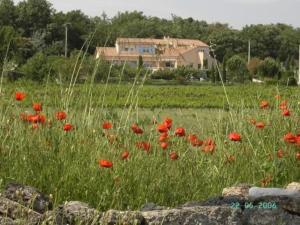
(121, 146)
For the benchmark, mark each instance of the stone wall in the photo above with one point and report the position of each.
(238, 205)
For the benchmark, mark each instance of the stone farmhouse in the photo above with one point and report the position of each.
(158, 53)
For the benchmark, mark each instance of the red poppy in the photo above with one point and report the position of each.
(20, 96)
(163, 137)
(105, 163)
(234, 136)
(125, 154)
(283, 105)
(173, 156)
(144, 145)
(106, 125)
(136, 129)
(42, 119)
(33, 118)
(280, 153)
(164, 145)
(193, 139)
(180, 131)
(37, 107)
(68, 127)
(168, 122)
(260, 125)
(196, 142)
(209, 146)
(60, 115)
(162, 128)
(298, 155)
(290, 138)
(286, 112)
(264, 104)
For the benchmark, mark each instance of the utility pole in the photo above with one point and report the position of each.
(66, 39)
(249, 51)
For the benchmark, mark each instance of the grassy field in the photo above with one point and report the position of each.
(65, 163)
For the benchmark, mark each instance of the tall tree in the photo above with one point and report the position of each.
(7, 13)
(33, 15)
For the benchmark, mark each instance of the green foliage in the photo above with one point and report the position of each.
(181, 74)
(227, 42)
(38, 27)
(7, 13)
(36, 68)
(33, 15)
(253, 66)
(269, 68)
(237, 68)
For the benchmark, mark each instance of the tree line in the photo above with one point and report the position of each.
(32, 34)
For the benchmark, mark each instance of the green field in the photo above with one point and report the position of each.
(65, 164)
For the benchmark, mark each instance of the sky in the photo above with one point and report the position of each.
(237, 13)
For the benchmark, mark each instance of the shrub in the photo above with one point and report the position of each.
(36, 68)
(237, 68)
(269, 68)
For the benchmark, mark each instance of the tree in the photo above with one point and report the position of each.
(269, 68)
(140, 62)
(237, 68)
(253, 66)
(36, 68)
(33, 15)
(227, 42)
(7, 13)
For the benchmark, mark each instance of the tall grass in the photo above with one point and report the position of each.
(65, 164)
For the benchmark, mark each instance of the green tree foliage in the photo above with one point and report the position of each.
(33, 15)
(36, 68)
(33, 26)
(7, 13)
(237, 68)
(227, 42)
(269, 68)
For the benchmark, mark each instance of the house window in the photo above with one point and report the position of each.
(170, 64)
(146, 49)
(126, 49)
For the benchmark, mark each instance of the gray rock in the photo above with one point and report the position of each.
(73, 213)
(213, 215)
(28, 196)
(6, 221)
(293, 186)
(16, 211)
(269, 217)
(288, 203)
(256, 192)
(114, 217)
(218, 201)
(240, 190)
